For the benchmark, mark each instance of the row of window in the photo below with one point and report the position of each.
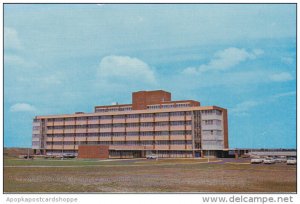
(211, 112)
(180, 113)
(145, 115)
(212, 122)
(35, 143)
(212, 132)
(150, 142)
(157, 124)
(36, 135)
(109, 134)
(173, 105)
(163, 106)
(159, 153)
(113, 109)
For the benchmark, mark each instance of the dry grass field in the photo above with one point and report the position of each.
(140, 175)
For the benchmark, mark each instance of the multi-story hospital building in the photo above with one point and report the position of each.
(152, 124)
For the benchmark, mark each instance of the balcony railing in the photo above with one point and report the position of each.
(92, 122)
(162, 137)
(93, 130)
(92, 139)
(132, 129)
(118, 138)
(162, 128)
(144, 138)
(119, 129)
(119, 120)
(68, 138)
(161, 119)
(177, 147)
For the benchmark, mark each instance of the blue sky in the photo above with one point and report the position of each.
(69, 58)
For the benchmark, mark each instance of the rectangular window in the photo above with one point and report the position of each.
(101, 110)
(92, 134)
(81, 118)
(162, 114)
(93, 126)
(149, 115)
(146, 124)
(133, 116)
(176, 123)
(177, 113)
(125, 109)
(153, 107)
(34, 143)
(162, 124)
(218, 112)
(132, 125)
(118, 134)
(81, 135)
(132, 133)
(106, 126)
(105, 134)
(119, 125)
(93, 118)
(36, 127)
(106, 117)
(147, 133)
(162, 133)
(167, 106)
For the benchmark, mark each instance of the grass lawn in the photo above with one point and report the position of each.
(164, 175)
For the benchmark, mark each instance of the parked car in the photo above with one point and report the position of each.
(25, 157)
(151, 156)
(256, 160)
(67, 155)
(269, 160)
(281, 159)
(291, 161)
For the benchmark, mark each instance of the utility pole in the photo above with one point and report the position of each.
(27, 153)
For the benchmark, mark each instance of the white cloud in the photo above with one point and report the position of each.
(291, 93)
(124, 69)
(287, 60)
(244, 107)
(281, 77)
(50, 80)
(18, 61)
(225, 59)
(22, 107)
(234, 79)
(140, 19)
(11, 39)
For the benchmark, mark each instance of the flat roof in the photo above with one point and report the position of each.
(132, 112)
(163, 102)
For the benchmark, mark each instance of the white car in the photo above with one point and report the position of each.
(269, 161)
(291, 161)
(256, 161)
(151, 156)
(280, 159)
